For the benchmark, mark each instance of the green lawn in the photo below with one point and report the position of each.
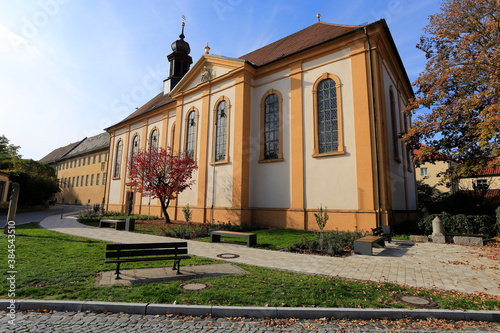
(51, 265)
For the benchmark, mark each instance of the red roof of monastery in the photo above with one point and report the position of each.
(313, 35)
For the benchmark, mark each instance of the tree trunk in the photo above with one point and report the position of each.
(164, 205)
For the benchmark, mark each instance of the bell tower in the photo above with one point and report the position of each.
(180, 61)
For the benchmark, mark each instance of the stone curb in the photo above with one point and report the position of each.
(256, 312)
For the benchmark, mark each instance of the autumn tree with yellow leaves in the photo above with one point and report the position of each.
(460, 85)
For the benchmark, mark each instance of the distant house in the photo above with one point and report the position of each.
(485, 183)
(81, 170)
(432, 173)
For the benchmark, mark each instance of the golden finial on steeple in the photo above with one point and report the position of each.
(207, 48)
(318, 16)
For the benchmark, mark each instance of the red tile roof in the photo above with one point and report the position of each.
(436, 156)
(313, 35)
(157, 101)
(490, 171)
(492, 195)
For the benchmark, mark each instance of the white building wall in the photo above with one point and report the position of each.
(270, 182)
(223, 172)
(190, 195)
(115, 184)
(330, 181)
(397, 166)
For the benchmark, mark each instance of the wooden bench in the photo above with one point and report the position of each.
(118, 224)
(385, 231)
(119, 253)
(251, 238)
(366, 244)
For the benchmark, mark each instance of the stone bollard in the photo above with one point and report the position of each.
(438, 231)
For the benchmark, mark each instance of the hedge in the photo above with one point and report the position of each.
(463, 224)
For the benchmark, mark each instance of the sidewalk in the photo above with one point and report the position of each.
(427, 265)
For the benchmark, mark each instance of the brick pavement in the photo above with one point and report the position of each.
(428, 265)
(89, 322)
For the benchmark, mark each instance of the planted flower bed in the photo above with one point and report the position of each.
(333, 243)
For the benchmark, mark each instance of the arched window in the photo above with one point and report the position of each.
(154, 139)
(190, 140)
(135, 146)
(328, 138)
(221, 132)
(271, 131)
(118, 159)
(172, 137)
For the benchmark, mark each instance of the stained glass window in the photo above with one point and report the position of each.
(221, 132)
(327, 117)
(118, 159)
(154, 139)
(191, 131)
(271, 127)
(135, 145)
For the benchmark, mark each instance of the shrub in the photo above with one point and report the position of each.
(331, 242)
(321, 218)
(190, 230)
(187, 213)
(461, 224)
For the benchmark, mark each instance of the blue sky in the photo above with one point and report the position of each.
(70, 68)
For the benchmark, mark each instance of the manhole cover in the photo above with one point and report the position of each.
(228, 255)
(418, 301)
(194, 286)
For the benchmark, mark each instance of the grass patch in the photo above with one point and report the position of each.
(51, 265)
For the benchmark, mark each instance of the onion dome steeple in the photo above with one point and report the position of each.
(181, 45)
(180, 61)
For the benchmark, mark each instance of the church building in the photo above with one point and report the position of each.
(313, 119)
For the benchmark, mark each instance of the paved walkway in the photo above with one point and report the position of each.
(428, 265)
(37, 216)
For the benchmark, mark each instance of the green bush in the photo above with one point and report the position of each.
(192, 230)
(461, 203)
(330, 242)
(91, 215)
(461, 224)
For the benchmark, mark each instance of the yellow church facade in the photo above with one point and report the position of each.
(311, 120)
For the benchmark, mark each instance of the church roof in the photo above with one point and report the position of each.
(157, 101)
(311, 36)
(314, 35)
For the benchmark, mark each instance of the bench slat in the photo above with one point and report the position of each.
(145, 246)
(232, 233)
(143, 253)
(114, 261)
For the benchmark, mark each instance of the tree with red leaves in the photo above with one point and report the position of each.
(461, 86)
(161, 174)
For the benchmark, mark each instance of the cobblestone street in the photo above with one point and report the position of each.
(87, 322)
